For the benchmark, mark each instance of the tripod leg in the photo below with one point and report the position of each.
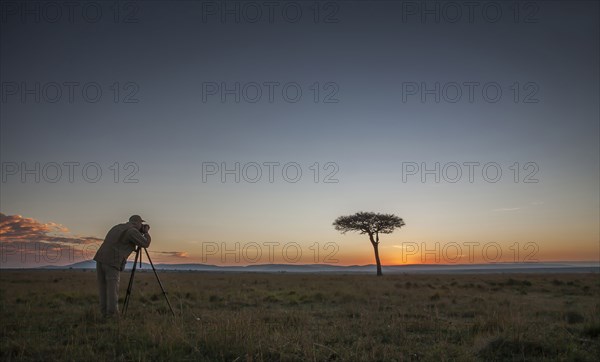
(159, 283)
(130, 286)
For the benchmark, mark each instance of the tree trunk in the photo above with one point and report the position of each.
(376, 247)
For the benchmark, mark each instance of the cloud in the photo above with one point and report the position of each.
(172, 254)
(507, 209)
(27, 242)
(16, 229)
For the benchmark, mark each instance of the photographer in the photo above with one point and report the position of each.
(112, 256)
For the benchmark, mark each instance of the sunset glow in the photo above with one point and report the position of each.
(467, 139)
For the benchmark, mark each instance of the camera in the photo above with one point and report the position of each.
(145, 228)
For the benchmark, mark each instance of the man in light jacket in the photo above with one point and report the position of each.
(112, 256)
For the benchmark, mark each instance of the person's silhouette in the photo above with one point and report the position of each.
(111, 257)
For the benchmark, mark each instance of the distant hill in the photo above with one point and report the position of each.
(555, 267)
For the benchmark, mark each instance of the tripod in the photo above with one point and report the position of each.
(138, 256)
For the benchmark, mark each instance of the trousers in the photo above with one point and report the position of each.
(108, 286)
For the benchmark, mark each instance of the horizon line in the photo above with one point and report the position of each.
(50, 266)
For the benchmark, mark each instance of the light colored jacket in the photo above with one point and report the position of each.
(118, 244)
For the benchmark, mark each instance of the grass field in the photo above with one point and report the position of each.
(52, 315)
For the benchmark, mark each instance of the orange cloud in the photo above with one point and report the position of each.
(16, 228)
(172, 254)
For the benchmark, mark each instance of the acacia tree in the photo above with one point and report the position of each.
(372, 224)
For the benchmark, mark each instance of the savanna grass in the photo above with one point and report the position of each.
(53, 315)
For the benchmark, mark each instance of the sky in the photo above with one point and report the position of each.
(241, 130)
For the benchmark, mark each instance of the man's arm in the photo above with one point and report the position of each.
(140, 239)
(148, 239)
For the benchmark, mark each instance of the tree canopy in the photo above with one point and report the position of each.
(368, 223)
